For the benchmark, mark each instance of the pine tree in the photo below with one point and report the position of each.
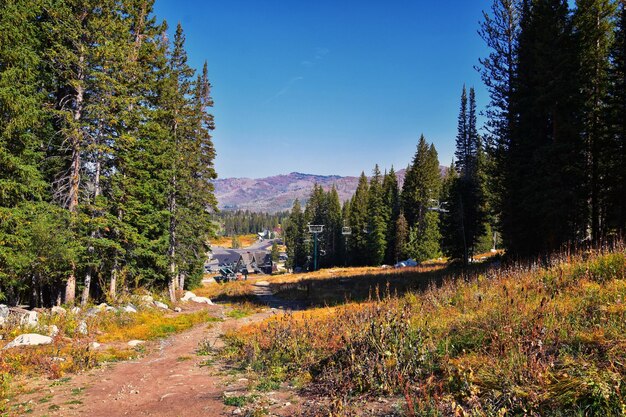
(23, 124)
(377, 219)
(421, 189)
(467, 204)
(335, 243)
(359, 223)
(594, 28)
(295, 236)
(615, 151)
(545, 181)
(401, 239)
(391, 194)
(421, 184)
(500, 30)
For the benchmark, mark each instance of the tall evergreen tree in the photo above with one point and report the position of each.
(335, 242)
(594, 29)
(401, 239)
(421, 189)
(295, 236)
(391, 194)
(466, 194)
(615, 151)
(23, 123)
(359, 223)
(377, 219)
(500, 30)
(545, 181)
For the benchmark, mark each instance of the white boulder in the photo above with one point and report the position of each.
(82, 327)
(161, 305)
(4, 311)
(58, 310)
(135, 343)
(29, 339)
(188, 296)
(75, 310)
(51, 330)
(26, 318)
(146, 299)
(129, 308)
(202, 300)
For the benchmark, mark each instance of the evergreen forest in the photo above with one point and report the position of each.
(106, 157)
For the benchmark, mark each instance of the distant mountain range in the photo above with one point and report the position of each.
(277, 193)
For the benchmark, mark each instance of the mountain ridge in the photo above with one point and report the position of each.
(278, 192)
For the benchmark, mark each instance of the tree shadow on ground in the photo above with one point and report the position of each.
(342, 289)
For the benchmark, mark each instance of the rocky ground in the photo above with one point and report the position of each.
(183, 376)
(177, 376)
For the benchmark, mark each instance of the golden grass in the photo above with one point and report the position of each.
(520, 341)
(149, 325)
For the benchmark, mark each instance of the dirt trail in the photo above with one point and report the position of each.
(169, 381)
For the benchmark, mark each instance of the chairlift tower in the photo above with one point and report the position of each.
(315, 229)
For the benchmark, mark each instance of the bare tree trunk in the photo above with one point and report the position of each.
(172, 229)
(87, 287)
(113, 283)
(172, 249)
(76, 141)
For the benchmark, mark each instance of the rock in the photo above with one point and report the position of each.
(237, 411)
(92, 312)
(110, 309)
(161, 305)
(146, 299)
(129, 308)
(51, 330)
(25, 317)
(58, 310)
(94, 345)
(201, 300)
(188, 296)
(75, 310)
(103, 306)
(29, 339)
(2, 321)
(178, 309)
(82, 327)
(134, 343)
(4, 311)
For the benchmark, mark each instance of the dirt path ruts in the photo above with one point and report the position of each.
(168, 381)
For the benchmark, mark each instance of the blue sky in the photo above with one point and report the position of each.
(331, 86)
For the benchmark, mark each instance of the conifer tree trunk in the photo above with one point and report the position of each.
(97, 191)
(70, 285)
(171, 284)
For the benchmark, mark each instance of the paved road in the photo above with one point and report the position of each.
(264, 245)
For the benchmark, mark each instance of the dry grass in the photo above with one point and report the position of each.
(359, 282)
(149, 325)
(522, 341)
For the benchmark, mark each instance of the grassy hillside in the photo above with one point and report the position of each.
(523, 341)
